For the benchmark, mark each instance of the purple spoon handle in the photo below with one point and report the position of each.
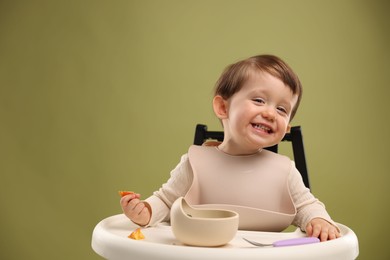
(296, 241)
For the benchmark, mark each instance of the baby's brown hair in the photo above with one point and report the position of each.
(235, 75)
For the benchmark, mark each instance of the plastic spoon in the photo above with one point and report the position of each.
(287, 242)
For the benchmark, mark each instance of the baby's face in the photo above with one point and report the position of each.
(258, 115)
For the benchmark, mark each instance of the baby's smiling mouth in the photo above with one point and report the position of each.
(262, 127)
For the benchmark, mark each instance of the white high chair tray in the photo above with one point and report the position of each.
(110, 240)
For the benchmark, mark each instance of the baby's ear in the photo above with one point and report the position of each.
(288, 128)
(220, 107)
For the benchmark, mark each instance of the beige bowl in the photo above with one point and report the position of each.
(202, 227)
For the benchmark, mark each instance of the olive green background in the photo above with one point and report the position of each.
(99, 96)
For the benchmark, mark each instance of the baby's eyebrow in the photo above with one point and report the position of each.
(256, 92)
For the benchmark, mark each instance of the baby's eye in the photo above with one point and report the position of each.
(282, 110)
(259, 100)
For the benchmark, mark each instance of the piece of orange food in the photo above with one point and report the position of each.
(137, 234)
(124, 193)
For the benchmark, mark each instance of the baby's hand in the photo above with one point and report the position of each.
(322, 229)
(137, 211)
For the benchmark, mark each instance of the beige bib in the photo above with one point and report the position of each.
(255, 186)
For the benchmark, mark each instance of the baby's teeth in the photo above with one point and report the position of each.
(262, 127)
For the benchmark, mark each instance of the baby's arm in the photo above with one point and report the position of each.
(322, 229)
(312, 216)
(156, 208)
(176, 186)
(136, 210)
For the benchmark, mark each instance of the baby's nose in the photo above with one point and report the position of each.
(269, 115)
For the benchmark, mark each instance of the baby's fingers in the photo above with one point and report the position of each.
(309, 230)
(140, 214)
(324, 235)
(127, 198)
(333, 233)
(322, 229)
(314, 230)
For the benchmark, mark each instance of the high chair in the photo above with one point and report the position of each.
(110, 236)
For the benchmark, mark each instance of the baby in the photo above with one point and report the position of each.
(255, 99)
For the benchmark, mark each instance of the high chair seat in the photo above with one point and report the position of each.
(110, 240)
